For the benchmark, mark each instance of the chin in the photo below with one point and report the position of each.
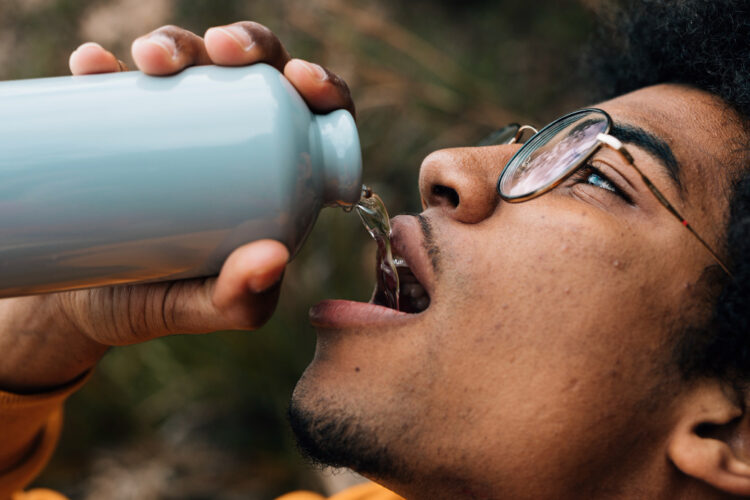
(329, 433)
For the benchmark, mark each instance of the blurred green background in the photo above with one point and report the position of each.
(204, 416)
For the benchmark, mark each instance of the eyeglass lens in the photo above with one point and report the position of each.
(551, 154)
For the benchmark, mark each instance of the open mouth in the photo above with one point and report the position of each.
(416, 272)
(412, 296)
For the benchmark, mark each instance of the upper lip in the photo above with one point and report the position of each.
(408, 242)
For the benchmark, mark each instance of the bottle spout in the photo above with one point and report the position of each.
(341, 158)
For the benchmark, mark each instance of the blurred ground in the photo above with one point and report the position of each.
(203, 417)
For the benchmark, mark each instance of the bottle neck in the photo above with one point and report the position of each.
(340, 157)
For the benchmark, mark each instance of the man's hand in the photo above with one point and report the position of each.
(49, 340)
(170, 49)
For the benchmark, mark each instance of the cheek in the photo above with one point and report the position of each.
(541, 332)
(533, 273)
(545, 307)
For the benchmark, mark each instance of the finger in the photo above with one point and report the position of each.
(250, 269)
(244, 43)
(242, 297)
(322, 90)
(91, 58)
(168, 50)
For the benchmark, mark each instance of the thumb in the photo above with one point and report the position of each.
(243, 296)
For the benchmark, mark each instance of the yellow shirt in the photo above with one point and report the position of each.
(31, 425)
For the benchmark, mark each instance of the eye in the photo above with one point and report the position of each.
(588, 174)
(596, 179)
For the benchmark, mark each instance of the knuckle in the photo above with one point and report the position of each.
(165, 315)
(124, 322)
(141, 312)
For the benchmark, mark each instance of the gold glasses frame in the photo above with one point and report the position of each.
(603, 139)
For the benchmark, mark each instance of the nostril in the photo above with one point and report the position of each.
(446, 193)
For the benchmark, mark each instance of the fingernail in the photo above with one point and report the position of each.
(263, 282)
(239, 35)
(165, 42)
(88, 44)
(316, 71)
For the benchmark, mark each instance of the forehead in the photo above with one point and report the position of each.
(701, 131)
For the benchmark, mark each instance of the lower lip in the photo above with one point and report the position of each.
(338, 314)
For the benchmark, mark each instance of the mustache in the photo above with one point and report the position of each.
(433, 251)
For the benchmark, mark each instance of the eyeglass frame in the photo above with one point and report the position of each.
(602, 139)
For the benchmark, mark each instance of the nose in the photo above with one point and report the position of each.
(462, 181)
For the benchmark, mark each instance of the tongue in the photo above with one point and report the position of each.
(412, 290)
(413, 297)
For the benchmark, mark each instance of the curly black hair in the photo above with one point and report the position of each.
(704, 44)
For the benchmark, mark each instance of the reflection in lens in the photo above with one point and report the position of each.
(555, 151)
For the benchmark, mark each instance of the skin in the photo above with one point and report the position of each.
(52, 339)
(543, 366)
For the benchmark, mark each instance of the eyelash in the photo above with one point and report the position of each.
(584, 173)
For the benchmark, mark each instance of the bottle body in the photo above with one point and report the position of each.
(122, 178)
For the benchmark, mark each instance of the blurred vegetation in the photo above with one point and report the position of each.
(204, 416)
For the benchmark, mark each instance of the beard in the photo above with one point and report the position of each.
(329, 435)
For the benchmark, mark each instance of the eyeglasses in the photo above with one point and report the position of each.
(555, 152)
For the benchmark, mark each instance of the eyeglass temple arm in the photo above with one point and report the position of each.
(521, 130)
(615, 144)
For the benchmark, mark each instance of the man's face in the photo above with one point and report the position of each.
(543, 364)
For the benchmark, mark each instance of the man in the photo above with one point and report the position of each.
(588, 342)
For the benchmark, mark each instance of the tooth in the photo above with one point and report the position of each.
(399, 262)
(413, 290)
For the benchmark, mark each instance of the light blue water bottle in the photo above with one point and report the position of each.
(121, 178)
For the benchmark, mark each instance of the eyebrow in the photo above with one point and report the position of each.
(656, 147)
